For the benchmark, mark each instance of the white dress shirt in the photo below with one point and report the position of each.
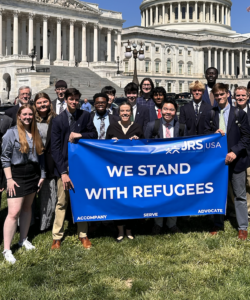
(171, 128)
(199, 106)
(134, 110)
(58, 105)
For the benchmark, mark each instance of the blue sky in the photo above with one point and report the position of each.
(131, 12)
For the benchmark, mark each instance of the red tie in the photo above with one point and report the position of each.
(159, 114)
(168, 134)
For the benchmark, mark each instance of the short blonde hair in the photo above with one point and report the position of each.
(240, 88)
(197, 85)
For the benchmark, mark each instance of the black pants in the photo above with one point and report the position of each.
(129, 224)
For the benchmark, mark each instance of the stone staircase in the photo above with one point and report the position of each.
(83, 79)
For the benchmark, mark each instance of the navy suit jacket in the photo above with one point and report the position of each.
(206, 98)
(238, 138)
(153, 115)
(12, 113)
(187, 117)
(150, 128)
(60, 136)
(142, 116)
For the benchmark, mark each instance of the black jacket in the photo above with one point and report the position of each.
(142, 116)
(150, 128)
(12, 113)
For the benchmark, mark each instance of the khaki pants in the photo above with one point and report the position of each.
(248, 189)
(60, 212)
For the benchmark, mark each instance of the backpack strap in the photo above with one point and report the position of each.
(155, 132)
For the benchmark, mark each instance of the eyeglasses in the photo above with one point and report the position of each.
(60, 89)
(23, 94)
(217, 95)
(146, 85)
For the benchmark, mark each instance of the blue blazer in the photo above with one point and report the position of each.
(187, 117)
(206, 98)
(60, 136)
(238, 138)
(142, 116)
(150, 128)
(154, 116)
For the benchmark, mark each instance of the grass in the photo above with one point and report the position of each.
(192, 265)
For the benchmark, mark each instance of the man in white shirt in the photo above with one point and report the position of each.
(59, 105)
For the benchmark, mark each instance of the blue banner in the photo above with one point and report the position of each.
(148, 178)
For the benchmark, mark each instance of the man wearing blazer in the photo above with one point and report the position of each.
(241, 96)
(59, 104)
(211, 75)
(101, 116)
(192, 114)
(140, 112)
(233, 122)
(24, 95)
(71, 125)
(168, 128)
(158, 95)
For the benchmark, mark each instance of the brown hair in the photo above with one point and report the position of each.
(241, 88)
(220, 87)
(51, 112)
(37, 141)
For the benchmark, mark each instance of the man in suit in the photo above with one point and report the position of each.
(24, 95)
(70, 126)
(140, 112)
(168, 128)
(101, 116)
(211, 75)
(59, 104)
(192, 114)
(159, 95)
(5, 124)
(227, 120)
(110, 92)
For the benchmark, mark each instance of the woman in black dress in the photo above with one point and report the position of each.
(23, 163)
(124, 129)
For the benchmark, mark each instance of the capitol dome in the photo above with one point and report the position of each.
(195, 17)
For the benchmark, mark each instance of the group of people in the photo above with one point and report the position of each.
(34, 152)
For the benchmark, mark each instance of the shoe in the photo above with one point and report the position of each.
(25, 243)
(56, 244)
(86, 242)
(156, 229)
(175, 229)
(215, 230)
(130, 237)
(9, 256)
(120, 238)
(242, 235)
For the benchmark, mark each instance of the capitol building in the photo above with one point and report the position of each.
(180, 40)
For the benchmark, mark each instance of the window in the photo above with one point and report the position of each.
(176, 13)
(157, 49)
(180, 68)
(126, 66)
(146, 66)
(183, 13)
(189, 69)
(169, 87)
(157, 67)
(180, 87)
(189, 53)
(147, 48)
(190, 13)
(169, 51)
(168, 66)
(157, 83)
(180, 52)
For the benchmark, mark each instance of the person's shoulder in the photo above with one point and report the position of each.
(6, 118)
(11, 131)
(12, 109)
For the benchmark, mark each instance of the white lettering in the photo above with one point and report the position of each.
(209, 188)
(148, 191)
(128, 170)
(171, 168)
(182, 168)
(137, 190)
(93, 193)
(165, 190)
(176, 190)
(141, 169)
(115, 170)
(151, 167)
(199, 188)
(111, 190)
(125, 193)
(199, 144)
(162, 170)
(156, 191)
(190, 189)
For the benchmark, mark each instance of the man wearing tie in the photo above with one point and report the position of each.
(192, 114)
(159, 95)
(70, 126)
(59, 104)
(167, 127)
(233, 122)
(211, 75)
(140, 113)
(101, 116)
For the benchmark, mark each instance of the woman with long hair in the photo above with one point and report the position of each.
(48, 193)
(23, 163)
(124, 129)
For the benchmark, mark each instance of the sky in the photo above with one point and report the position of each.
(131, 12)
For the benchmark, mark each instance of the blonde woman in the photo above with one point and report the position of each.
(23, 163)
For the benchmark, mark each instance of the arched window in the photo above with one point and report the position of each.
(189, 68)
(181, 64)
(147, 65)
(169, 69)
(157, 66)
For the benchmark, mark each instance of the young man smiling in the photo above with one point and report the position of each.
(159, 95)
(70, 126)
(233, 122)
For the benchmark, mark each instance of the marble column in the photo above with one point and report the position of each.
(31, 33)
(38, 40)
(119, 41)
(187, 13)
(45, 60)
(156, 15)
(179, 12)
(8, 37)
(83, 63)
(226, 16)
(232, 63)
(229, 17)
(151, 16)
(227, 63)
(204, 13)
(209, 57)
(163, 13)
(146, 17)
(196, 11)
(211, 13)
(1, 32)
(64, 42)
(241, 66)
(76, 44)
(109, 44)
(95, 42)
(245, 59)
(58, 61)
(221, 62)
(171, 13)
(24, 43)
(215, 58)
(15, 32)
(218, 14)
(71, 44)
(143, 17)
(222, 15)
